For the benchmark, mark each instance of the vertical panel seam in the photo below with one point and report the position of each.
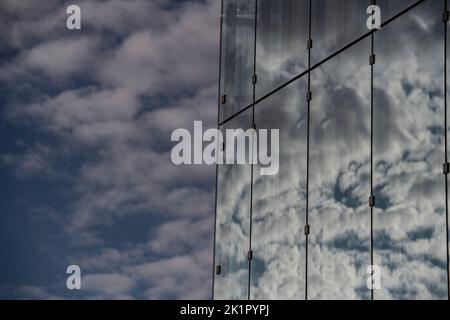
(446, 149)
(371, 156)
(217, 166)
(307, 148)
(252, 153)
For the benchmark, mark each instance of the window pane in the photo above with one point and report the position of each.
(409, 217)
(233, 221)
(281, 47)
(238, 42)
(339, 243)
(390, 8)
(278, 242)
(336, 23)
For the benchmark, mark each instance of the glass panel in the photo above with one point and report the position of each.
(336, 23)
(282, 42)
(409, 217)
(339, 247)
(238, 42)
(278, 242)
(390, 8)
(233, 222)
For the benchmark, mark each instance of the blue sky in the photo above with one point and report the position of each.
(85, 170)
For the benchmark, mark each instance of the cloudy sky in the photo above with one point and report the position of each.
(85, 170)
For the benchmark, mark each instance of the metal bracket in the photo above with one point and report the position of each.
(223, 99)
(307, 229)
(309, 96)
(310, 44)
(371, 201)
(218, 269)
(372, 59)
(250, 255)
(445, 16)
(446, 168)
(254, 79)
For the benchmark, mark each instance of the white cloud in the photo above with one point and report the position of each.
(109, 285)
(62, 57)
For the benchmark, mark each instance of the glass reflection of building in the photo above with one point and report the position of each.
(363, 145)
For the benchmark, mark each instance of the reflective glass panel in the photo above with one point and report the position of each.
(281, 49)
(390, 8)
(409, 217)
(339, 242)
(336, 23)
(278, 242)
(238, 42)
(233, 222)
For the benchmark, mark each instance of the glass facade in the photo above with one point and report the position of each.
(363, 157)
